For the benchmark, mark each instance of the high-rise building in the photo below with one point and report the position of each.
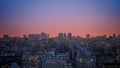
(34, 36)
(69, 35)
(43, 35)
(65, 35)
(5, 36)
(60, 35)
(87, 36)
(38, 36)
(25, 36)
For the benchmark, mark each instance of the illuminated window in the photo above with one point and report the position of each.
(81, 60)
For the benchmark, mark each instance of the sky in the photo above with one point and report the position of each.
(80, 17)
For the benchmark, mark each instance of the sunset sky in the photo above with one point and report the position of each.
(80, 17)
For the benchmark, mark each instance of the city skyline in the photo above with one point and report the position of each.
(63, 35)
(78, 17)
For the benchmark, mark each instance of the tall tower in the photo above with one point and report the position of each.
(69, 35)
(87, 36)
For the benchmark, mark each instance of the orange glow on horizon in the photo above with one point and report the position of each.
(56, 34)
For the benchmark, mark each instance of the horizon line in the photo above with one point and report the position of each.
(56, 35)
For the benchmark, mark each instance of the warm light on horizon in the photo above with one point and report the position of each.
(79, 17)
(56, 35)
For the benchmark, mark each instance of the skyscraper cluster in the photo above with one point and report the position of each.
(38, 36)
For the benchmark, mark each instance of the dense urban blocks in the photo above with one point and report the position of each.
(63, 51)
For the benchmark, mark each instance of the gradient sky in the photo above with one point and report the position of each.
(95, 17)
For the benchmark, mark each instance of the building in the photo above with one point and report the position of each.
(69, 35)
(87, 36)
(85, 59)
(34, 36)
(53, 60)
(30, 60)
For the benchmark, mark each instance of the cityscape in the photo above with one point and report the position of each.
(63, 51)
(59, 33)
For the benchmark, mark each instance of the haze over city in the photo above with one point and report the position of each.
(80, 17)
(59, 34)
